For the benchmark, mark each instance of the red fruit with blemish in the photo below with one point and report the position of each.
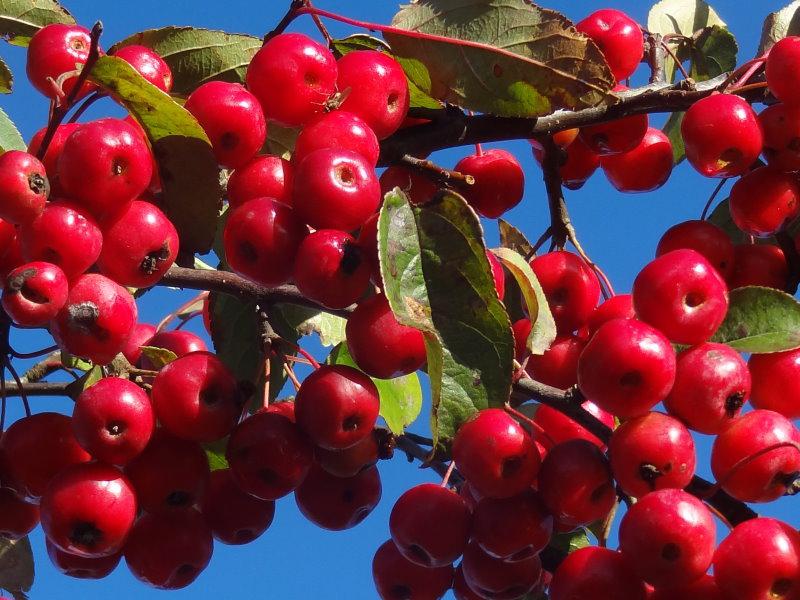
(430, 525)
(338, 503)
(652, 452)
(781, 127)
(23, 187)
(104, 165)
(331, 269)
(560, 428)
(577, 163)
(17, 517)
(756, 458)
(595, 573)
(292, 76)
(703, 237)
(34, 293)
(495, 454)
(417, 187)
(626, 368)
(264, 176)
(261, 239)
(54, 149)
(235, 517)
(65, 235)
(58, 51)
(81, 567)
(758, 264)
(512, 528)
(644, 168)
(338, 129)
(712, 383)
(681, 294)
(89, 510)
(113, 420)
(776, 382)
(379, 344)
(619, 38)
(149, 64)
(722, 135)
(558, 366)
(375, 88)
(397, 578)
(499, 181)
(616, 307)
(498, 579)
(615, 137)
(782, 66)
(763, 201)
(97, 319)
(570, 286)
(232, 118)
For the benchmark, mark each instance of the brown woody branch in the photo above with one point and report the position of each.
(37, 389)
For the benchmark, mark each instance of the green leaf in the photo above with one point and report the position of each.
(280, 140)
(543, 332)
(437, 278)
(760, 320)
(571, 541)
(330, 328)
(73, 362)
(682, 17)
(401, 397)
(20, 19)
(10, 137)
(215, 452)
(234, 331)
(672, 128)
(198, 55)
(519, 59)
(16, 566)
(87, 380)
(513, 239)
(159, 357)
(721, 217)
(6, 78)
(780, 24)
(713, 53)
(358, 41)
(189, 171)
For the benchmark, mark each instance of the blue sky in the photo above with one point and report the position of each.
(294, 559)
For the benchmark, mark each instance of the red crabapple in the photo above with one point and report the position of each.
(763, 201)
(57, 51)
(397, 578)
(23, 187)
(338, 129)
(149, 64)
(781, 69)
(338, 503)
(34, 293)
(265, 176)
(644, 168)
(703, 237)
(571, 288)
(499, 181)
(235, 517)
(619, 38)
(776, 385)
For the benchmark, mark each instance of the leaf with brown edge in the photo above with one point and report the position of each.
(513, 239)
(503, 57)
(780, 24)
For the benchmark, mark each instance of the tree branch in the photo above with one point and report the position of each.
(656, 57)
(37, 389)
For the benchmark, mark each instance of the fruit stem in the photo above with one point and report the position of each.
(747, 70)
(704, 214)
(91, 99)
(675, 58)
(290, 374)
(448, 473)
(439, 174)
(181, 310)
(478, 149)
(36, 354)
(291, 14)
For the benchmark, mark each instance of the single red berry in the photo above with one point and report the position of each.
(575, 483)
(704, 588)
(397, 578)
(498, 274)
(170, 474)
(88, 510)
(178, 341)
(23, 187)
(37, 448)
(595, 573)
(169, 551)
(625, 134)
(292, 76)
(53, 153)
(756, 458)
(499, 181)
(379, 344)
(348, 462)
(337, 503)
(17, 517)
(96, 320)
(368, 242)
(619, 38)
(138, 246)
(644, 168)
(113, 420)
(616, 307)
(703, 237)
(495, 454)
(712, 384)
(570, 286)
(149, 64)
(491, 577)
(197, 398)
(626, 368)
(760, 558)
(337, 406)
(781, 127)
(338, 129)
(776, 382)
(284, 408)
(104, 165)
(375, 88)
(141, 334)
(560, 428)
(758, 264)
(669, 537)
(721, 135)
(763, 201)
(521, 330)
(64, 235)
(558, 366)
(652, 452)
(81, 567)
(34, 293)
(682, 295)
(417, 187)
(268, 455)
(57, 52)
(512, 528)
(232, 118)
(782, 65)
(578, 163)
(461, 590)
(265, 176)
(261, 239)
(562, 139)
(235, 517)
(335, 189)
(430, 525)
(331, 268)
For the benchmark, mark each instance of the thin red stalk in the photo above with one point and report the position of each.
(448, 473)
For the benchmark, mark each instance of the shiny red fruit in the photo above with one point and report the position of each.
(235, 517)
(703, 237)
(417, 187)
(149, 64)
(776, 382)
(141, 334)
(499, 181)
(399, 579)
(757, 264)
(34, 293)
(595, 573)
(644, 168)
(264, 176)
(512, 528)
(498, 274)
(337, 503)
(615, 137)
(782, 66)
(616, 307)
(704, 588)
(338, 129)
(619, 38)
(560, 428)
(781, 127)
(497, 579)
(350, 461)
(17, 517)
(81, 567)
(23, 187)
(57, 51)
(558, 366)
(53, 153)
(178, 341)
(763, 201)
(570, 286)
(578, 163)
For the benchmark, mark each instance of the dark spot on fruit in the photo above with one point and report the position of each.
(118, 167)
(631, 379)
(38, 184)
(733, 404)
(179, 498)
(352, 257)
(649, 473)
(345, 175)
(348, 496)
(85, 535)
(150, 262)
(116, 427)
(510, 467)
(244, 536)
(693, 300)
(247, 251)
(419, 553)
(186, 571)
(83, 317)
(599, 492)
(670, 552)
(229, 140)
(559, 296)
(351, 423)
(497, 70)
(268, 476)
(729, 157)
(51, 255)
(209, 396)
(781, 588)
(392, 100)
(311, 79)
(400, 592)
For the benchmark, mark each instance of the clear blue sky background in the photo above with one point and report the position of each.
(294, 559)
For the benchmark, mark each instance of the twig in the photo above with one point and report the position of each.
(414, 450)
(656, 57)
(437, 173)
(559, 217)
(716, 191)
(287, 19)
(36, 389)
(678, 64)
(91, 99)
